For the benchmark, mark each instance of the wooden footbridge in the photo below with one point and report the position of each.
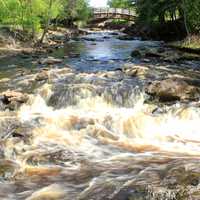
(113, 13)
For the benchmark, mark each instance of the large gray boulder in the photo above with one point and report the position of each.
(172, 90)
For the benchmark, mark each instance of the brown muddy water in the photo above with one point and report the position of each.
(89, 134)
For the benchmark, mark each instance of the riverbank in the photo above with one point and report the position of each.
(173, 39)
(11, 45)
(191, 44)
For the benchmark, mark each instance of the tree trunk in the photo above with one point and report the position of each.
(162, 18)
(46, 28)
(185, 18)
(32, 22)
(22, 15)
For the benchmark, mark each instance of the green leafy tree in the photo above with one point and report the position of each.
(121, 3)
(74, 11)
(34, 16)
(161, 11)
(192, 14)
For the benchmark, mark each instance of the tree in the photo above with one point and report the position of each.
(192, 15)
(74, 11)
(161, 11)
(21, 14)
(121, 3)
(36, 16)
(48, 16)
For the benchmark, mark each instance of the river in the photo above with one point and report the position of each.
(88, 133)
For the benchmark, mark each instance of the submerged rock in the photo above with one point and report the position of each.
(74, 55)
(92, 39)
(50, 61)
(125, 37)
(106, 37)
(89, 39)
(113, 33)
(172, 90)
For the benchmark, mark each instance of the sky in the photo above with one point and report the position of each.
(98, 3)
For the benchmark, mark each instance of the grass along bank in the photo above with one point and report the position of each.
(189, 44)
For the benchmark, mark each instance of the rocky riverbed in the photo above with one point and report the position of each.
(100, 118)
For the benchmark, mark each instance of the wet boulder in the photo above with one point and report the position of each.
(135, 70)
(58, 38)
(92, 39)
(106, 37)
(125, 37)
(42, 76)
(49, 61)
(11, 96)
(139, 52)
(172, 90)
(12, 99)
(89, 39)
(74, 55)
(5, 40)
(114, 33)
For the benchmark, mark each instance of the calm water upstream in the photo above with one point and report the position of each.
(88, 133)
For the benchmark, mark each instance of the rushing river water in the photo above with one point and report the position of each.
(88, 134)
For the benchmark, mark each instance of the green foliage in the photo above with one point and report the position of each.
(34, 15)
(152, 12)
(121, 3)
(120, 21)
(161, 11)
(193, 14)
(20, 14)
(75, 10)
(191, 42)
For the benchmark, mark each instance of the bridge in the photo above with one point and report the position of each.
(113, 13)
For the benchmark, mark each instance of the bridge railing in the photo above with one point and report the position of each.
(120, 11)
